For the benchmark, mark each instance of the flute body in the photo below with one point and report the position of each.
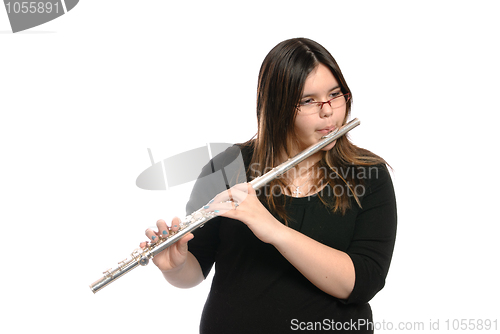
(141, 257)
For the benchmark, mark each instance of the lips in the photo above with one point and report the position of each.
(326, 130)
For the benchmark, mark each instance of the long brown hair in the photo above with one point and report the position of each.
(281, 83)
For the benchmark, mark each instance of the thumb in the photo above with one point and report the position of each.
(184, 241)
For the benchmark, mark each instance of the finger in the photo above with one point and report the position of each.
(219, 208)
(242, 187)
(162, 228)
(152, 235)
(250, 190)
(143, 244)
(174, 225)
(221, 197)
(240, 192)
(185, 239)
(230, 195)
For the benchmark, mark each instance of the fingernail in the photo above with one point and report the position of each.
(175, 225)
(153, 238)
(164, 232)
(216, 211)
(206, 206)
(211, 201)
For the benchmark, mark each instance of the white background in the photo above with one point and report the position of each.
(84, 96)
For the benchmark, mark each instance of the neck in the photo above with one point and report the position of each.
(310, 161)
(302, 170)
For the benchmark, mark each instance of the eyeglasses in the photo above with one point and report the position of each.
(311, 107)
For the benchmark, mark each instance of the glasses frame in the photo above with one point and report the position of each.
(321, 104)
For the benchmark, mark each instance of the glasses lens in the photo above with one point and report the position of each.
(313, 108)
(338, 101)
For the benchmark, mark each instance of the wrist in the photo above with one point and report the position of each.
(281, 235)
(173, 271)
(186, 275)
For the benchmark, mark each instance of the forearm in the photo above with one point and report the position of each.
(187, 276)
(329, 269)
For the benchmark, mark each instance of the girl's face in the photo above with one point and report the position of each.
(312, 121)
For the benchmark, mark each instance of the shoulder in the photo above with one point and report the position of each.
(232, 151)
(373, 169)
(374, 174)
(247, 150)
(376, 185)
(224, 155)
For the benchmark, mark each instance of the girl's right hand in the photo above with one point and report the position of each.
(174, 257)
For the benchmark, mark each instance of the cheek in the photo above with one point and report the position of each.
(303, 127)
(339, 114)
(342, 114)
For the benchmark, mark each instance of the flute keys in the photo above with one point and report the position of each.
(107, 273)
(197, 215)
(122, 264)
(135, 254)
(144, 261)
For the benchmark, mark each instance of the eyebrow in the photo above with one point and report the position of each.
(307, 95)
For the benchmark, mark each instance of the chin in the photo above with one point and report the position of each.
(329, 147)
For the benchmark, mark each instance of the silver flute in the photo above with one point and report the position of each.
(141, 257)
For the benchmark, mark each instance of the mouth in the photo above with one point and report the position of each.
(326, 130)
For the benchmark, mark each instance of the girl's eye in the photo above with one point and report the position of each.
(306, 102)
(335, 94)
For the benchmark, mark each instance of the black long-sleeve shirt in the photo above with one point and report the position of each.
(256, 290)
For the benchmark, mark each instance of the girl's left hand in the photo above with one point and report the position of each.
(241, 203)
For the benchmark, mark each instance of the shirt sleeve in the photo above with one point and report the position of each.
(373, 242)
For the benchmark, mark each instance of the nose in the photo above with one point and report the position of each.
(324, 110)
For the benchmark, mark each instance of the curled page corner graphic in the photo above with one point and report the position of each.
(187, 166)
(24, 15)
